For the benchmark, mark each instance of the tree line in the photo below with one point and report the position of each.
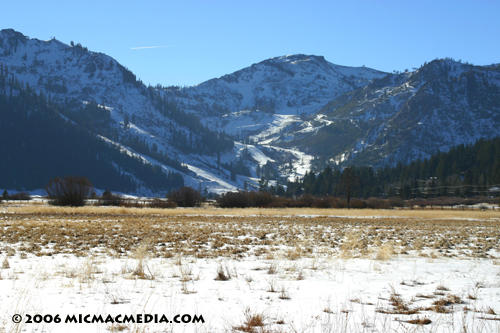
(464, 171)
(457, 177)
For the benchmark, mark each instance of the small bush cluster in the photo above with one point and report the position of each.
(110, 199)
(185, 197)
(16, 196)
(159, 203)
(246, 199)
(266, 200)
(118, 201)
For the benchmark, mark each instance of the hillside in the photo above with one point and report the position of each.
(407, 116)
(38, 144)
(277, 88)
(141, 119)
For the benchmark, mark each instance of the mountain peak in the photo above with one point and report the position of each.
(12, 34)
(299, 57)
(293, 59)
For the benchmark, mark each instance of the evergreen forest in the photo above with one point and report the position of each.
(38, 143)
(464, 171)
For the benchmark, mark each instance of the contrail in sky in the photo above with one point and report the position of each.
(149, 47)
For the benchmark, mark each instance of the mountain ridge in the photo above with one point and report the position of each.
(276, 118)
(438, 106)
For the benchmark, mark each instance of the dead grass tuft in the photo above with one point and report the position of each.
(5, 264)
(222, 273)
(440, 305)
(142, 270)
(419, 321)
(254, 322)
(399, 306)
(385, 252)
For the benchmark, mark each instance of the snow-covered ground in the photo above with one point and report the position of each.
(305, 295)
(248, 273)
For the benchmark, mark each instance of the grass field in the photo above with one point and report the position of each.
(252, 270)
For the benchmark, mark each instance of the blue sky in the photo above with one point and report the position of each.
(208, 39)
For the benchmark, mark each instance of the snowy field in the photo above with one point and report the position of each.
(249, 270)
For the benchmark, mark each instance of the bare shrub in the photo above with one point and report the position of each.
(278, 202)
(185, 197)
(454, 202)
(69, 191)
(260, 199)
(418, 202)
(377, 203)
(396, 202)
(304, 201)
(163, 204)
(110, 199)
(323, 203)
(357, 204)
(233, 200)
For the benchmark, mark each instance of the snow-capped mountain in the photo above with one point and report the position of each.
(276, 118)
(282, 85)
(403, 117)
(157, 124)
(144, 122)
(285, 86)
(262, 103)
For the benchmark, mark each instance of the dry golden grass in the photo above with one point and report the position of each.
(385, 252)
(423, 214)
(213, 233)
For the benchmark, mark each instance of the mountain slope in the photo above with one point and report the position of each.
(289, 86)
(141, 118)
(407, 116)
(282, 85)
(38, 144)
